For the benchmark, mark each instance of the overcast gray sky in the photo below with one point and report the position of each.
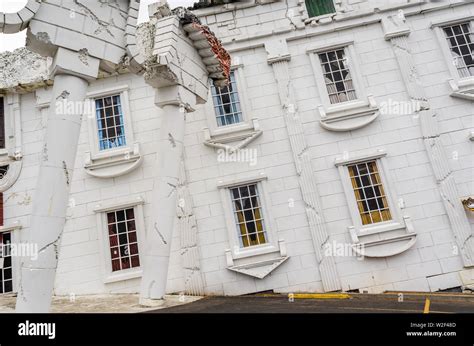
(10, 42)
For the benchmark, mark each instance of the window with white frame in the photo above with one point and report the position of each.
(461, 45)
(369, 192)
(6, 268)
(372, 202)
(123, 240)
(248, 215)
(226, 103)
(110, 122)
(120, 226)
(337, 76)
(345, 105)
(113, 150)
(319, 7)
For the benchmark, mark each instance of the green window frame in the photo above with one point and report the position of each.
(319, 7)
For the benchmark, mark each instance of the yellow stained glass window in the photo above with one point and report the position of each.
(248, 215)
(369, 193)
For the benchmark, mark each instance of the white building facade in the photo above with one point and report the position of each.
(339, 158)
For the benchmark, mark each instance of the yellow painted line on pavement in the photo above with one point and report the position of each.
(426, 310)
(431, 294)
(319, 295)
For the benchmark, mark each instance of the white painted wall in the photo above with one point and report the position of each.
(429, 265)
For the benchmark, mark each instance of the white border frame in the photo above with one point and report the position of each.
(246, 123)
(437, 27)
(101, 209)
(380, 157)
(97, 154)
(271, 231)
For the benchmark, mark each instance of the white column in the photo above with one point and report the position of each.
(175, 102)
(279, 57)
(396, 31)
(51, 195)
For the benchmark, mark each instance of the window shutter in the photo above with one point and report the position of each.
(319, 7)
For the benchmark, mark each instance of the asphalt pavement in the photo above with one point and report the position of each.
(417, 303)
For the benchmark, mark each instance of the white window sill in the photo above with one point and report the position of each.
(243, 133)
(380, 227)
(349, 115)
(255, 250)
(12, 227)
(123, 275)
(231, 130)
(257, 261)
(321, 19)
(113, 163)
(384, 245)
(462, 88)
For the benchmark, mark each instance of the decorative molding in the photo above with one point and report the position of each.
(386, 245)
(12, 155)
(14, 169)
(322, 47)
(11, 227)
(259, 267)
(188, 232)
(248, 179)
(450, 21)
(348, 160)
(395, 26)
(350, 118)
(11, 23)
(434, 147)
(122, 203)
(243, 138)
(462, 89)
(307, 182)
(468, 203)
(114, 165)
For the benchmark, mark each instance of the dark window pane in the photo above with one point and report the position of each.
(111, 217)
(130, 214)
(132, 237)
(120, 215)
(135, 261)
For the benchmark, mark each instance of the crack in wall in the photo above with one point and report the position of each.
(172, 140)
(103, 25)
(155, 227)
(53, 243)
(64, 95)
(66, 173)
(292, 24)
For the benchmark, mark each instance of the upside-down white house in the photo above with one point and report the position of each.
(339, 156)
